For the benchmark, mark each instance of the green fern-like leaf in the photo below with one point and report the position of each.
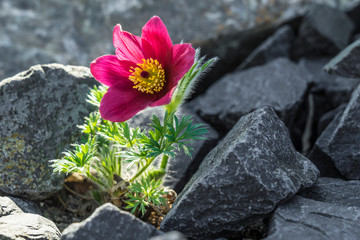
(143, 193)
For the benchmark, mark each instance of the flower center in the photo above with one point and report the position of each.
(148, 77)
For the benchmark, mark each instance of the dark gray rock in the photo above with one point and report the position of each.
(181, 168)
(327, 118)
(323, 31)
(327, 92)
(39, 111)
(330, 92)
(335, 191)
(242, 180)
(353, 13)
(173, 235)
(108, 222)
(280, 84)
(340, 140)
(347, 62)
(302, 218)
(321, 158)
(11, 205)
(277, 45)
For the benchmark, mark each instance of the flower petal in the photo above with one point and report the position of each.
(122, 101)
(183, 59)
(155, 32)
(109, 70)
(164, 100)
(128, 46)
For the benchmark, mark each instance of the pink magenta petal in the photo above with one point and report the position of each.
(148, 50)
(183, 59)
(121, 102)
(155, 32)
(109, 70)
(128, 46)
(164, 100)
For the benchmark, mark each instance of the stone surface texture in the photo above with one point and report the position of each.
(327, 118)
(347, 62)
(242, 180)
(277, 45)
(35, 32)
(173, 235)
(280, 84)
(327, 92)
(27, 226)
(335, 191)
(108, 222)
(181, 168)
(20, 219)
(319, 154)
(340, 140)
(39, 111)
(323, 31)
(11, 205)
(302, 218)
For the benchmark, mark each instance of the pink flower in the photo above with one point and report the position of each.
(144, 72)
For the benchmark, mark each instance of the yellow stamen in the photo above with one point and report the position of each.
(148, 77)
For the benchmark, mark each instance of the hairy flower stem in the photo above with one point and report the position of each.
(142, 169)
(174, 104)
(164, 162)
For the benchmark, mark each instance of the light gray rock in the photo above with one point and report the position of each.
(340, 140)
(335, 191)
(27, 226)
(323, 31)
(277, 45)
(280, 84)
(11, 205)
(39, 111)
(242, 180)
(20, 219)
(173, 235)
(180, 169)
(347, 62)
(302, 218)
(109, 222)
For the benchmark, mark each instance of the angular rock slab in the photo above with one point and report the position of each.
(327, 92)
(242, 180)
(280, 84)
(323, 31)
(347, 62)
(11, 205)
(333, 90)
(302, 218)
(27, 226)
(39, 111)
(109, 222)
(335, 191)
(339, 142)
(181, 168)
(277, 45)
(20, 219)
(327, 118)
(173, 235)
